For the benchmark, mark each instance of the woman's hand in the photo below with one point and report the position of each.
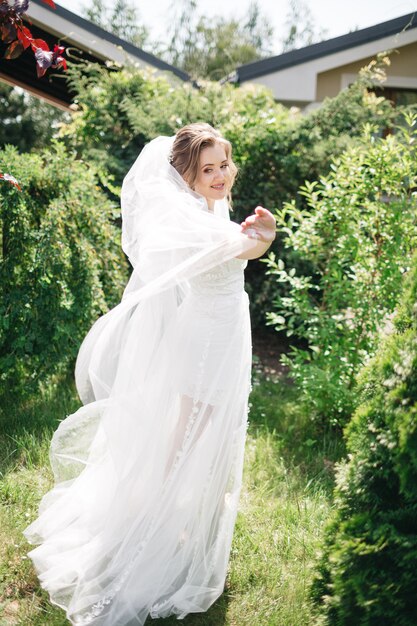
(261, 225)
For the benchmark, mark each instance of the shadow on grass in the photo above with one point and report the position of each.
(215, 616)
(26, 426)
(275, 414)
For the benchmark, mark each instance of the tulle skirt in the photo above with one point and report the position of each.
(147, 477)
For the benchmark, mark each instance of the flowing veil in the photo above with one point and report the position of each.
(140, 520)
(168, 236)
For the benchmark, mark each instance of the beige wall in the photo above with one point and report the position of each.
(403, 63)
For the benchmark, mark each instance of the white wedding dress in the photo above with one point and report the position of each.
(148, 470)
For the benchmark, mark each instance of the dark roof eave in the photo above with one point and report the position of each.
(103, 34)
(323, 48)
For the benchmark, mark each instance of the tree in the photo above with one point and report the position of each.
(204, 49)
(302, 29)
(27, 122)
(122, 19)
(213, 50)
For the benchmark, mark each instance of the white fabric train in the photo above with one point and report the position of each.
(148, 470)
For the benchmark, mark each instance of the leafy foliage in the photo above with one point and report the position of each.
(354, 237)
(211, 48)
(204, 47)
(367, 568)
(275, 149)
(121, 18)
(27, 122)
(277, 155)
(120, 111)
(302, 28)
(61, 266)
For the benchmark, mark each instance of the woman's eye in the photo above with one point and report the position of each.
(210, 169)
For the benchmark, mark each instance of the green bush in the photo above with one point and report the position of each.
(354, 238)
(275, 159)
(61, 265)
(120, 110)
(276, 149)
(367, 571)
(26, 121)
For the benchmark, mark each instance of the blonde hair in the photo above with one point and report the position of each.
(188, 144)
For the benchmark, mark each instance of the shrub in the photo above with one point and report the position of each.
(27, 122)
(276, 159)
(276, 150)
(120, 110)
(61, 266)
(366, 573)
(354, 240)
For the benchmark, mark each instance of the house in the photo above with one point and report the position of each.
(305, 77)
(74, 32)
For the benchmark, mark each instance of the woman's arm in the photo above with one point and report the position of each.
(260, 226)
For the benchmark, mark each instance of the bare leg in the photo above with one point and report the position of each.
(189, 409)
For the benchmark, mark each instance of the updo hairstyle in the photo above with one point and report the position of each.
(187, 146)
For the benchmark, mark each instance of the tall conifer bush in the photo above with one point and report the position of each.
(367, 572)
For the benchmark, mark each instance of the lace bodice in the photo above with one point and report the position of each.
(224, 279)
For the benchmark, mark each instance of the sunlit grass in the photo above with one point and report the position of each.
(285, 500)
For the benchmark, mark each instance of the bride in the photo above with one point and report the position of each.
(148, 471)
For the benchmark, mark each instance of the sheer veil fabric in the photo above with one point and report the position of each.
(148, 471)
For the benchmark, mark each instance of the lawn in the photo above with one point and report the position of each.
(285, 501)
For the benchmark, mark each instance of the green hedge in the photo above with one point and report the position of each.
(367, 572)
(276, 149)
(61, 265)
(351, 245)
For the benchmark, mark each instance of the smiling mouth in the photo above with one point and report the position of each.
(218, 187)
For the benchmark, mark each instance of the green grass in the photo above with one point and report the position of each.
(285, 501)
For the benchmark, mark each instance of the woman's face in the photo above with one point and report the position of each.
(213, 178)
